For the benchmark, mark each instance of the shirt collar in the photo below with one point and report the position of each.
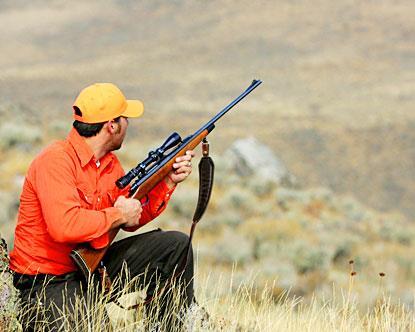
(84, 152)
(82, 149)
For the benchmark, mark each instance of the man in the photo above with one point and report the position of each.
(69, 197)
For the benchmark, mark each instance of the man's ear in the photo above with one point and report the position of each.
(110, 126)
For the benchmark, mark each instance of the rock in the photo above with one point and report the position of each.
(249, 157)
(9, 298)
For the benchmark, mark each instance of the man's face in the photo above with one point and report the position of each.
(119, 135)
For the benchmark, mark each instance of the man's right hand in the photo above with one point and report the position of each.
(131, 210)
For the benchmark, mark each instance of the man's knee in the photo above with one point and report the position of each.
(178, 238)
(161, 243)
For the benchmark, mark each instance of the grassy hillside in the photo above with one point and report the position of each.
(302, 238)
(338, 93)
(336, 106)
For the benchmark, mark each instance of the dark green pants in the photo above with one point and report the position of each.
(151, 258)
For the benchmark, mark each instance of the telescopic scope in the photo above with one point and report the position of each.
(153, 157)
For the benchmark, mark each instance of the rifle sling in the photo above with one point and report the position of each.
(206, 172)
(206, 175)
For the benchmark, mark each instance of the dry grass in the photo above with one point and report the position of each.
(240, 307)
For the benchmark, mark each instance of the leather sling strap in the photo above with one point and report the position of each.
(206, 174)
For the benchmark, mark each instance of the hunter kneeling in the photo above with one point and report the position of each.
(69, 197)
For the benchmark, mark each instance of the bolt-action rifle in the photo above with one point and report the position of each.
(150, 172)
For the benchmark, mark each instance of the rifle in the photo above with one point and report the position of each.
(150, 172)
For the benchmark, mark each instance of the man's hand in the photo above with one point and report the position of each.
(131, 210)
(181, 168)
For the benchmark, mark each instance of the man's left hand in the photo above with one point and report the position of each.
(181, 168)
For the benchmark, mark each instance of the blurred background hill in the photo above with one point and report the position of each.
(339, 92)
(337, 103)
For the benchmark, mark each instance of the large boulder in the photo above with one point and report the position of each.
(249, 157)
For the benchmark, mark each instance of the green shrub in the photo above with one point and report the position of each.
(260, 186)
(223, 176)
(265, 249)
(239, 199)
(183, 202)
(230, 218)
(280, 269)
(307, 258)
(8, 207)
(59, 128)
(233, 248)
(285, 195)
(19, 135)
(407, 264)
(391, 231)
(352, 209)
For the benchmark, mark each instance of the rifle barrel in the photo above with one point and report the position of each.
(253, 85)
(208, 126)
(87, 258)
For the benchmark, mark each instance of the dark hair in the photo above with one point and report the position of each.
(88, 129)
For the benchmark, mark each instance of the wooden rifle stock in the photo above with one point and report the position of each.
(87, 258)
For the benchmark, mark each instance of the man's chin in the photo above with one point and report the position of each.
(117, 147)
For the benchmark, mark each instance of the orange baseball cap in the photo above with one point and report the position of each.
(101, 102)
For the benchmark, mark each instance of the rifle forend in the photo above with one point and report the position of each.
(150, 172)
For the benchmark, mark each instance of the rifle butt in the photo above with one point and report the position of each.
(82, 265)
(87, 258)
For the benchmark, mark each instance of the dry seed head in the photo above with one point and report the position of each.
(382, 274)
(353, 273)
(351, 261)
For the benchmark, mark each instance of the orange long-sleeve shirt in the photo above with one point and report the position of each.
(67, 199)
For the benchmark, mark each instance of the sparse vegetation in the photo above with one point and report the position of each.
(13, 135)
(227, 305)
(9, 301)
(292, 236)
(337, 106)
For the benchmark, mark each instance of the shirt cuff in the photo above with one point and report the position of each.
(165, 188)
(153, 204)
(163, 196)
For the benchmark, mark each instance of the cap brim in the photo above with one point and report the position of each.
(135, 109)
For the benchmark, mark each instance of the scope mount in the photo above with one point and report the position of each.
(152, 159)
